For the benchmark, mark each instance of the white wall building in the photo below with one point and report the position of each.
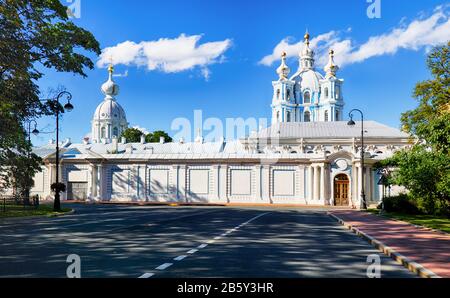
(309, 155)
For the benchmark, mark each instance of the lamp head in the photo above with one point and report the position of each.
(68, 106)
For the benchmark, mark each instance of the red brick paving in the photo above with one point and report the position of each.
(428, 248)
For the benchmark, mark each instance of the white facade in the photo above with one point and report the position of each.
(295, 161)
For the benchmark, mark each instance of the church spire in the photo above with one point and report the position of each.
(331, 68)
(283, 70)
(306, 54)
(110, 88)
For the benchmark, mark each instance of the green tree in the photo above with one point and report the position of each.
(155, 136)
(132, 135)
(430, 121)
(424, 169)
(34, 35)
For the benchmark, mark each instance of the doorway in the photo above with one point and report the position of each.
(341, 190)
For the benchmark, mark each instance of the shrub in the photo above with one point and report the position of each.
(401, 203)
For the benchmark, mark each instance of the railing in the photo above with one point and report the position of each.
(12, 202)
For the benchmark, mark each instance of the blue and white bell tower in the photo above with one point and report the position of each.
(307, 96)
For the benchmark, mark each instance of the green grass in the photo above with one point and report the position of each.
(20, 211)
(430, 221)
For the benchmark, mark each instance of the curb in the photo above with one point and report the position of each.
(19, 218)
(72, 211)
(388, 251)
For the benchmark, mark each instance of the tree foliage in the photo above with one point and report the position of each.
(430, 121)
(34, 35)
(155, 136)
(132, 135)
(424, 169)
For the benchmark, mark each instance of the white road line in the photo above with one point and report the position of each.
(194, 250)
(179, 258)
(164, 266)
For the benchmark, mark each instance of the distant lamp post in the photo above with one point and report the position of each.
(68, 107)
(35, 130)
(352, 123)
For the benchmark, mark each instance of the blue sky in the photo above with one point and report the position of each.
(379, 75)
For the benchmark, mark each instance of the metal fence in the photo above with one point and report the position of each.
(17, 203)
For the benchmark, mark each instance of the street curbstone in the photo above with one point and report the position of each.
(411, 265)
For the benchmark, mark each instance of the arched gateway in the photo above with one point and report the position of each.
(341, 190)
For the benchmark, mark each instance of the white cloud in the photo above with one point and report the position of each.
(142, 129)
(167, 55)
(423, 32)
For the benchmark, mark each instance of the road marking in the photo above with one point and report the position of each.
(179, 258)
(203, 245)
(164, 266)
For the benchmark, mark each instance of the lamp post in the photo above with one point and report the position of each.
(35, 132)
(351, 123)
(68, 107)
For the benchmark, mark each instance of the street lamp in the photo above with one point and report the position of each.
(352, 123)
(35, 130)
(68, 107)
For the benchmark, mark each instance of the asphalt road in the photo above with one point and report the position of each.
(144, 241)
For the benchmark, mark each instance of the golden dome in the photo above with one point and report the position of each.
(306, 36)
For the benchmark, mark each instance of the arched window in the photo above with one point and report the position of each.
(288, 94)
(288, 116)
(326, 92)
(115, 132)
(337, 115)
(338, 91)
(103, 133)
(307, 116)
(307, 97)
(278, 116)
(278, 93)
(326, 116)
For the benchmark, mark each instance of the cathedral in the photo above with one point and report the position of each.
(307, 96)
(310, 155)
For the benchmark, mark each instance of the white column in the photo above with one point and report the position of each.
(360, 184)
(316, 182)
(310, 183)
(258, 184)
(322, 183)
(368, 184)
(265, 183)
(94, 181)
(223, 177)
(217, 182)
(101, 182)
(182, 170)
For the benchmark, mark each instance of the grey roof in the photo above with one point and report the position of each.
(229, 149)
(338, 129)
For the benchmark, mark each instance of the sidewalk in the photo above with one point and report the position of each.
(429, 249)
